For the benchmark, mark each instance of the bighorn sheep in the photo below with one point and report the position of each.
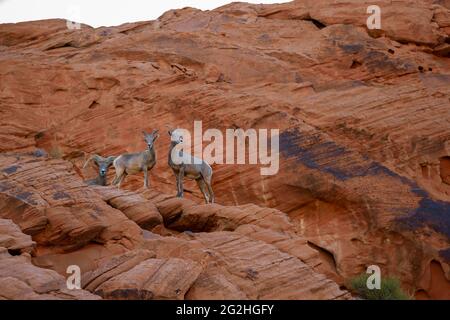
(190, 167)
(103, 166)
(132, 163)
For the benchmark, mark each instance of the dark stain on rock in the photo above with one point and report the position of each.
(39, 153)
(94, 215)
(343, 164)
(39, 135)
(355, 64)
(352, 48)
(25, 197)
(133, 294)
(60, 195)
(11, 169)
(376, 60)
(251, 274)
(445, 254)
(4, 186)
(431, 213)
(327, 156)
(264, 37)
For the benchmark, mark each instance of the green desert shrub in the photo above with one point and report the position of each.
(390, 288)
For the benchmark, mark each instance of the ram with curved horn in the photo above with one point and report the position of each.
(103, 165)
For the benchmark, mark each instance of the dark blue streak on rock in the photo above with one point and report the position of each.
(4, 186)
(60, 195)
(315, 153)
(432, 213)
(312, 152)
(327, 156)
(38, 153)
(25, 197)
(352, 48)
(445, 254)
(11, 169)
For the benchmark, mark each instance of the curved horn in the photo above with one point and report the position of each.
(95, 157)
(110, 160)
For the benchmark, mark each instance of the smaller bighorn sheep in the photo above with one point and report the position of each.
(103, 166)
(190, 167)
(132, 163)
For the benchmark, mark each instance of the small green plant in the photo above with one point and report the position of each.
(390, 289)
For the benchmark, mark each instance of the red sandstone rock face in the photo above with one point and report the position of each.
(363, 119)
(12, 238)
(20, 280)
(48, 201)
(192, 251)
(135, 207)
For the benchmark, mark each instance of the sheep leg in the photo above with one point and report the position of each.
(119, 172)
(180, 182)
(146, 178)
(202, 185)
(121, 179)
(114, 182)
(210, 190)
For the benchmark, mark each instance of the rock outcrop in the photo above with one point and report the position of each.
(21, 280)
(364, 149)
(50, 202)
(145, 245)
(12, 238)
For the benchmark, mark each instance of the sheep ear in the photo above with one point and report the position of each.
(170, 132)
